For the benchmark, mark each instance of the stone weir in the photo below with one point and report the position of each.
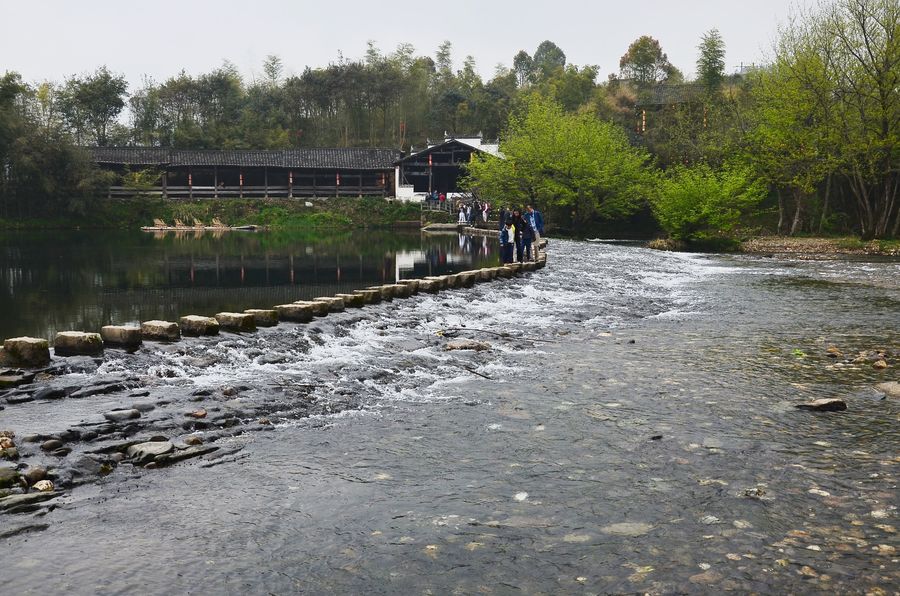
(25, 361)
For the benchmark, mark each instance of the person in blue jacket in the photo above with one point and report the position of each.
(536, 220)
(506, 243)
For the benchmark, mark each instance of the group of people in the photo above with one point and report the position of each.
(520, 234)
(474, 212)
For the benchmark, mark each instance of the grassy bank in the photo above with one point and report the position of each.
(844, 245)
(337, 214)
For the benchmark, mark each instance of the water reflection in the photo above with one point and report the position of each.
(55, 281)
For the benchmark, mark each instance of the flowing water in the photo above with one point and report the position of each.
(631, 430)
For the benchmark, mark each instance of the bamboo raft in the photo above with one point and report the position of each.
(216, 225)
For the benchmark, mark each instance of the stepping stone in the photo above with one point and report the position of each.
(196, 325)
(334, 303)
(370, 296)
(30, 352)
(320, 309)
(160, 331)
(295, 313)
(121, 336)
(236, 321)
(263, 317)
(77, 343)
(352, 300)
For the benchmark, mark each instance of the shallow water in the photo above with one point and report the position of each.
(632, 429)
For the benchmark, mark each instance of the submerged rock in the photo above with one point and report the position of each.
(145, 452)
(122, 415)
(890, 389)
(627, 529)
(824, 405)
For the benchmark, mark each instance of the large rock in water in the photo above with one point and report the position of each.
(263, 317)
(196, 326)
(77, 343)
(29, 352)
(122, 415)
(123, 336)
(145, 452)
(824, 405)
(296, 313)
(9, 477)
(236, 321)
(160, 331)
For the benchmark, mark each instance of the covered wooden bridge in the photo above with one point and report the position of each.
(289, 173)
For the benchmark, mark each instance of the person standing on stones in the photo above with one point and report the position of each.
(506, 243)
(527, 234)
(518, 225)
(502, 218)
(536, 220)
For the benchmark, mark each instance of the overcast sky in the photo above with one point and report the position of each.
(52, 39)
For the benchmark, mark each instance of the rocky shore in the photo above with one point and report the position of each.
(818, 246)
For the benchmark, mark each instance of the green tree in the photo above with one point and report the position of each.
(699, 203)
(646, 64)
(548, 59)
(93, 102)
(574, 164)
(711, 61)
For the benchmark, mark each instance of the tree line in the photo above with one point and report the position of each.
(804, 144)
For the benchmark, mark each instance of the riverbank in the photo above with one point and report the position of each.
(332, 214)
(819, 246)
(815, 247)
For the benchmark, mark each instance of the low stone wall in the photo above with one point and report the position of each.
(30, 352)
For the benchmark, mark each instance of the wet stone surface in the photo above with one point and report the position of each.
(632, 429)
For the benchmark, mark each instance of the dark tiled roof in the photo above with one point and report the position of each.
(350, 158)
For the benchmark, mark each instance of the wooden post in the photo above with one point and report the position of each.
(216, 181)
(241, 182)
(266, 180)
(360, 184)
(290, 184)
(337, 184)
(165, 184)
(190, 183)
(314, 184)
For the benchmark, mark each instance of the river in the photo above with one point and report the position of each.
(63, 280)
(631, 430)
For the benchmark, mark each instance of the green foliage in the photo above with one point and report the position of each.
(697, 203)
(573, 163)
(711, 61)
(646, 64)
